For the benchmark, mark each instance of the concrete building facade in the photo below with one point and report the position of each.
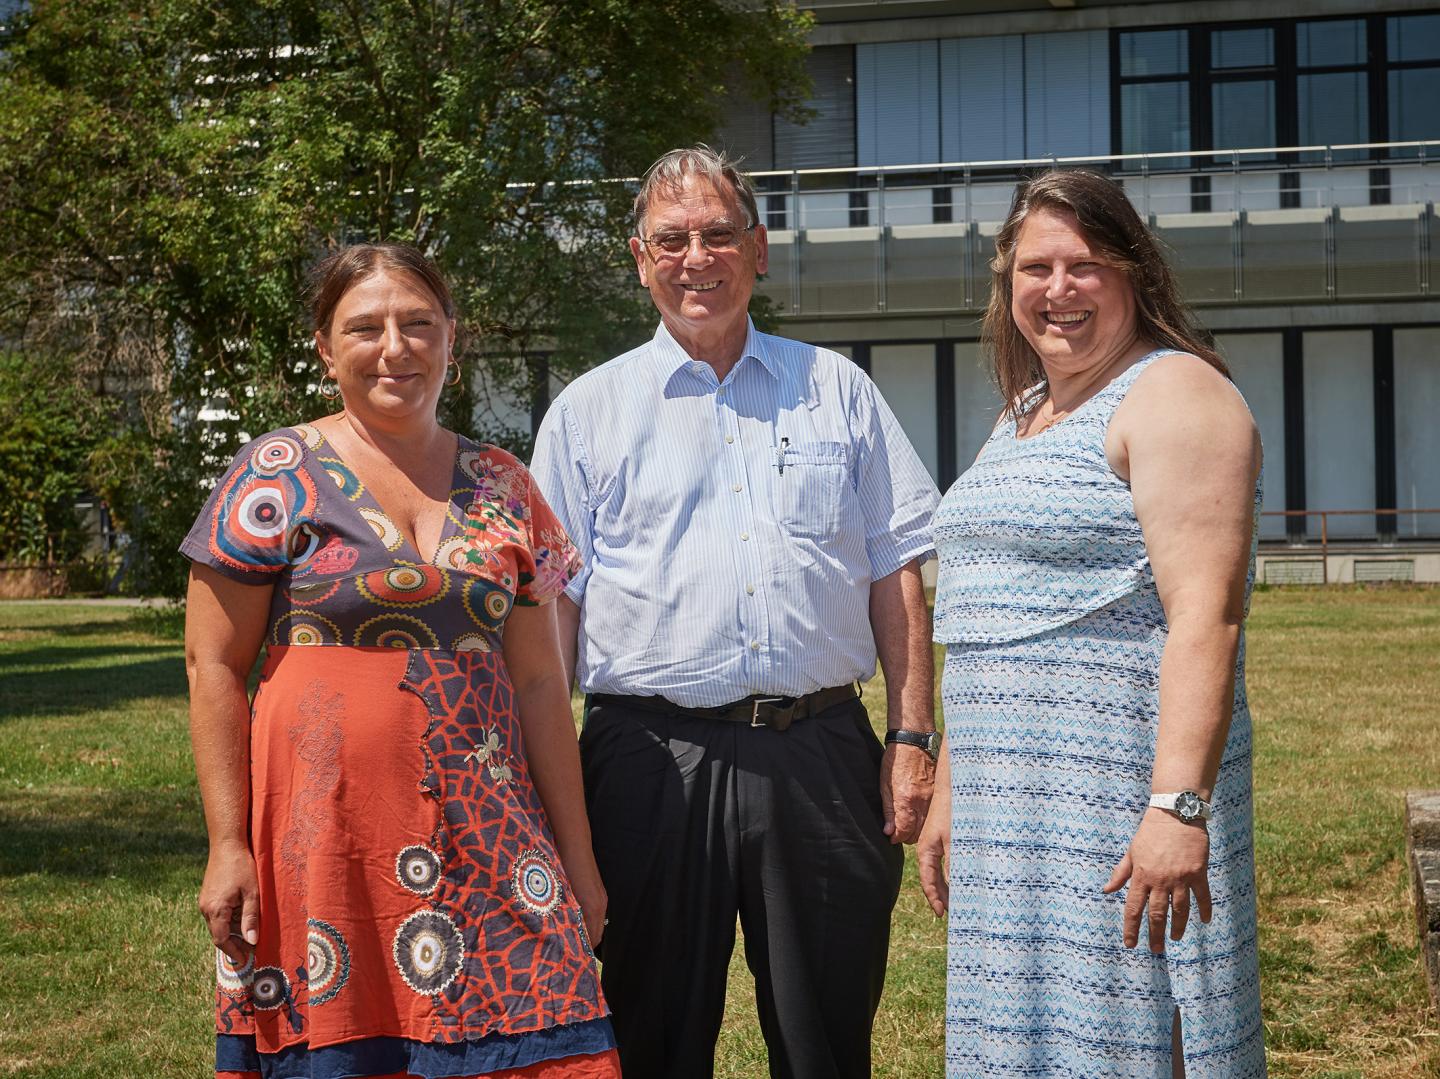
(1288, 161)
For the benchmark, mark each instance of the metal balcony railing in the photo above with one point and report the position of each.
(1295, 224)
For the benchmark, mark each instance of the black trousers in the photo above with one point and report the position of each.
(697, 820)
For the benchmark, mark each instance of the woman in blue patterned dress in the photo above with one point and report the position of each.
(1095, 569)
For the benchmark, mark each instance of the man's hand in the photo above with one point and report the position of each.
(907, 780)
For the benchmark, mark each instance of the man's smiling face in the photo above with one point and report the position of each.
(701, 293)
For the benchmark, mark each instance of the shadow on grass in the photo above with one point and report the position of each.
(143, 835)
(95, 628)
(135, 671)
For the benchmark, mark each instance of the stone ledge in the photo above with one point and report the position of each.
(1422, 844)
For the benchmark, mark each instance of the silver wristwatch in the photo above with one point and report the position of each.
(1187, 805)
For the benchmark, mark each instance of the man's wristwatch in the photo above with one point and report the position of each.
(930, 743)
(1187, 805)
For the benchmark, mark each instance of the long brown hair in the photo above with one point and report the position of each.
(1108, 222)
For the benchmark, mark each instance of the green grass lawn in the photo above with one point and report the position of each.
(105, 969)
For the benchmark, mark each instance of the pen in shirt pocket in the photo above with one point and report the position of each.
(780, 455)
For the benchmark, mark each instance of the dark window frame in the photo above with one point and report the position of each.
(1284, 73)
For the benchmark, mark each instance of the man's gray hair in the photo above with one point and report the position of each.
(667, 177)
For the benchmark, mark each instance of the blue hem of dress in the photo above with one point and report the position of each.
(428, 1060)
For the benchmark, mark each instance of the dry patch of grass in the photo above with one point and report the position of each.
(1343, 684)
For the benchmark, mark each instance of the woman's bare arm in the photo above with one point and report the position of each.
(224, 628)
(542, 694)
(1190, 450)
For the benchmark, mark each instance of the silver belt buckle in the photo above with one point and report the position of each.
(755, 710)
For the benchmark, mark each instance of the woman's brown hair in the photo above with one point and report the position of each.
(1109, 222)
(333, 276)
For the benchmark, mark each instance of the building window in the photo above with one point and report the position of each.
(1310, 82)
(1332, 86)
(1154, 77)
(1413, 78)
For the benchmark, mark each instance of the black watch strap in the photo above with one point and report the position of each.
(930, 743)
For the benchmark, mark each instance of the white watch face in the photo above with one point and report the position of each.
(1187, 805)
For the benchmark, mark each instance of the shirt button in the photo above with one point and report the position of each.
(749, 589)
(754, 646)
(736, 488)
(744, 536)
(729, 438)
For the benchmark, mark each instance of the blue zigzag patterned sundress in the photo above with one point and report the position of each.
(1054, 631)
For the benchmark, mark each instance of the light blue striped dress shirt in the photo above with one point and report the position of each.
(730, 530)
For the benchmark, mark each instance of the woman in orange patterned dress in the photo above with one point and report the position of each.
(400, 879)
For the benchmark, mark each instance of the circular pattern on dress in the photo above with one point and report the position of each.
(344, 477)
(270, 989)
(309, 434)
(260, 516)
(472, 642)
(429, 951)
(497, 604)
(470, 461)
(535, 883)
(383, 526)
(278, 454)
(417, 869)
(405, 586)
(485, 602)
(304, 628)
(395, 631)
(327, 961)
(229, 977)
(452, 553)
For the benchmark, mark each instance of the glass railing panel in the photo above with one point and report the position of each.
(1430, 267)
(836, 209)
(778, 282)
(989, 201)
(1202, 253)
(1283, 255)
(982, 240)
(1158, 194)
(1377, 251)
(1335, 187)
(1415, 183)
(925, 268)
(906, 205)
(839, 271)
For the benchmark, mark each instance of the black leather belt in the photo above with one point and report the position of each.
(777, 713)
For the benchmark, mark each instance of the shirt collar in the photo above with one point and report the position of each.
(673, 358)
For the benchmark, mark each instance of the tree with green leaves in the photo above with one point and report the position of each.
(170, 168)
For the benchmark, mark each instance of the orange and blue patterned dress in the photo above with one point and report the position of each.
(414, 916)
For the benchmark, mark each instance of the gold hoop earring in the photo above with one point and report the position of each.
(452, 373)
(329, 388)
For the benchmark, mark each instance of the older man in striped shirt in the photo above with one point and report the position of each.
(752, 521)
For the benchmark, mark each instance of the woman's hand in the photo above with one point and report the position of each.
(1166, 861)
(590, 894)
(932, 849)
(932, 852)
(230, 902)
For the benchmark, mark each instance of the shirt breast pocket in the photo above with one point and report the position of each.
(810, 487)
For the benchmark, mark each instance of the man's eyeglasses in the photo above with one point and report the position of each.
(714, 238)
